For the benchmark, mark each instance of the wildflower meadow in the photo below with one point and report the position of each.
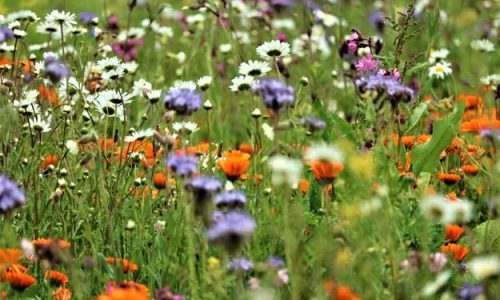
(249, 149)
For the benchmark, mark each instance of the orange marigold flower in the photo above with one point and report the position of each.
(61, 294)
(125, 291)
(325, 171)
(42, 242)
(9, 257)
(459, 252)
(248, 148)
(160, 181)
(449, 178)
(18, 280)
(407, 141)
(452, 196)
(423, 138)
(469, 169)
(48, 94)
(344, 292)
(127, 266)
(304, 186)
(50, 160)
(56, 277)
(453, 232)
(234, 165)
(471, 101)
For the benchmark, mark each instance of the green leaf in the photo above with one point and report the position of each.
(488, 234)
(425, 157)
(417, 115)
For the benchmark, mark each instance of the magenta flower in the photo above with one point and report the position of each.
(366, 64)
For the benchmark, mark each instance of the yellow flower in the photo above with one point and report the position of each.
(213, 263)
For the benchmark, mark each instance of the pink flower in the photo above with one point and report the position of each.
(366, 63)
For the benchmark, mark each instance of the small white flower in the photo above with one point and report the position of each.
(141, 87)
(19, 33)
(47, 27)
(285, 170)
(437, 55)
(41, 124)
(283, 24)
(324, 152)
(28, 248)
(72, 147)
(61, 17)
(130, 67)
(109, 63)
(204, 82)
(493, 79)
(183, 85)
(190, 127)
(433, 287)
(273, 49)
(254, 68)
(181, 57)
(484, 267)
(440, 70)
(139, 135)
(225, 48)
(483, 45)
(130, 224)
(242, 83)
(115, 97)
(159, 226)
(113, 74)
(268, 131)
(153, 95)
(108, 109)
(327, 19)
(194, 19)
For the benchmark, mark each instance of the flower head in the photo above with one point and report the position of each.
(230, 200)
(276, 94)
(231, 230)
(183, 165)
(183, 101)
(10, 195)
(273, 49)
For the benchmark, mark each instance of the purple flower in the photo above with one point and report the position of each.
(204, 186)
(275, 262)
(10, 195)
(232, 199)
(113, 26)
(377, 19)
(470, 292)
(56, 71)
(127, 49)
(87, 17)
(240, 265)
(396, 91)
(312, 124)
(276, 94)
(183, 165)
(231, 230)
(6, 34)
(166, 294)
(366, 64)
(183, 101)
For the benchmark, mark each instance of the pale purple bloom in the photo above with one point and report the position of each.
(366, 64)
(183, 101)
(437, 261)
(232, 199)
(276, 94)
(165, 293)
(203, 186)
(470, 292)
(87, 17)
(377, 19)
(231, 230)
(183, 165)
(5, 34)
(312, 123)
(10, 195)
(56, 71)
(394, 89)
(275, 262)
(240, 265)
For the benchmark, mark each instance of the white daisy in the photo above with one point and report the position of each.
(109, 63)
(273, 49)
(324, 152)
(130, 67)
(242, 83)
(109, 109)
(139, 135)
(194, 19)
(29, 97)
(189, 127)
(204, 82)
(14, 25)
(484, 267)
(268, 131)
(437, 55)
(493, 79)
(440, 70)
(153, 95)
(483, 45)
(433, 287)
(61, 17)
(40, 124)
(242, 37)
(47, 27)
(22, 15)
(4, 47)
(254, 68)
(285, 170)
(113, 74)
(115, 97)
(183, 85)
(141, 87)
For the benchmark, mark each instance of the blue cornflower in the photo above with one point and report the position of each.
(54, 69)
(312, 124)
(276, 94)
(88, 18)
(183, 101)
(240, 265)
(10, 195)
(181, 164)
(5, 34)
(275, 262)
(470, 292)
